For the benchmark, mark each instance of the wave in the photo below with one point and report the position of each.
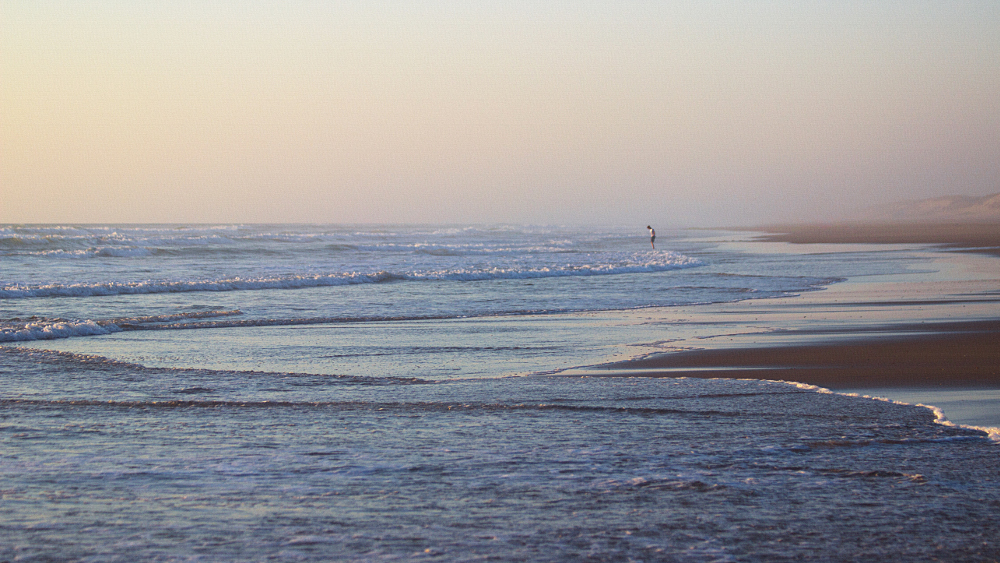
(92, 361)
(182, 240)
(36, 328)
(210, 249)
(666, 262)
(407, 406)
(52, 330)
(97, 252)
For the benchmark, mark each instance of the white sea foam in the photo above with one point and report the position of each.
(121, 252)
(992, 431)
(666, 262)
(53, 329)
(803, 386)
(939, 416)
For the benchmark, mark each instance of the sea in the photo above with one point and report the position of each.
(425, 393)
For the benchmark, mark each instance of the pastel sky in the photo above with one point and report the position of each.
(672, 113)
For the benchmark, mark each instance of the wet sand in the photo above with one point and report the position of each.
(944, 355)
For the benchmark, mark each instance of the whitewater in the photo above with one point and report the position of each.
(373, 392)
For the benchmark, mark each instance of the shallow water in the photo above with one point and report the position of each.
(174, 464)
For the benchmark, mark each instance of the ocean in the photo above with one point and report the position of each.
(373, 392)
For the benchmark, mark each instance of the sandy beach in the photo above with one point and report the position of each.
(914, 337)
(934, 355)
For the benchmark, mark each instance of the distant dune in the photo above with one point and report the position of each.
(947, 209)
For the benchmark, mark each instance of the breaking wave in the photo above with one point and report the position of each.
(662, 263)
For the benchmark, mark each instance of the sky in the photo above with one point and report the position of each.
(704, 113)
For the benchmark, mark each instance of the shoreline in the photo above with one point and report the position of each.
(930, 337)
(903, 330)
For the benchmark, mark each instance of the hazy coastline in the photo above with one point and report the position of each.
(979, 236)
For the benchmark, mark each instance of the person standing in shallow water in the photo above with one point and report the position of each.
(652, 236)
